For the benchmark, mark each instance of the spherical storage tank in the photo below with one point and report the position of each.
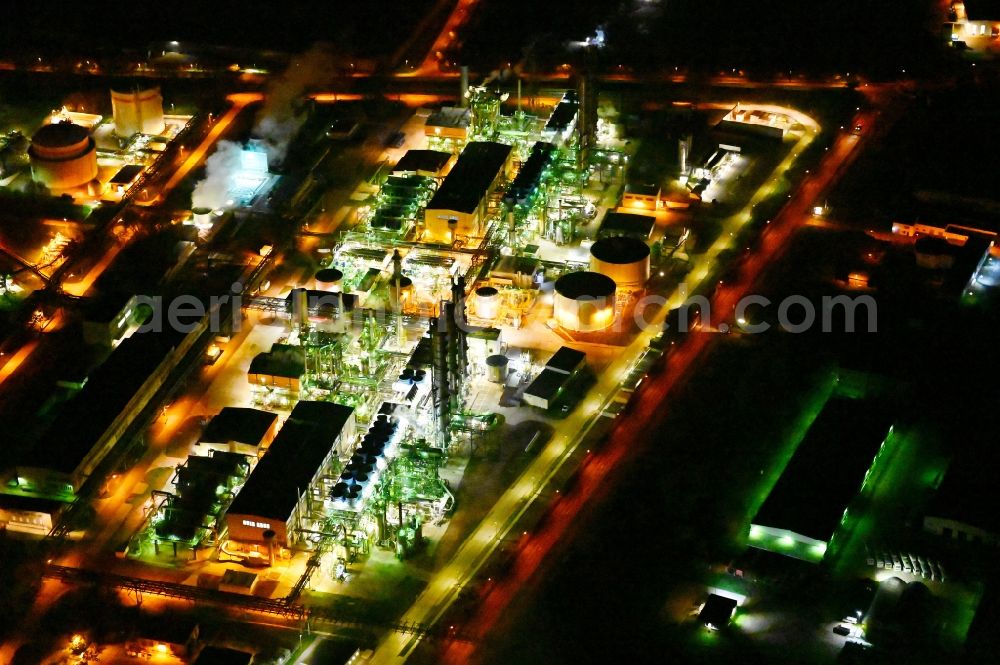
(138, 111)
(623, 259)
(63, 156)
(584, 301)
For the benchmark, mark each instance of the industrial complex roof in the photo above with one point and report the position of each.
(585, 284)
(282, 360)
(566, 360)
(450, 116)
(626, 224)
(547, 384)
(531, 171)
(619, 249)
(967, 494)
(827, 470)
(247, 426)
(287, 469)
(107, 392)
(476, 169)
(422, 160)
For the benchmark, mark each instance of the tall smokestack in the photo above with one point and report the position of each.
(463, 86)
(684, 152)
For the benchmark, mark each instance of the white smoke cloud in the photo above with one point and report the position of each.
(220, 168)
(277, 123)
(281, 116)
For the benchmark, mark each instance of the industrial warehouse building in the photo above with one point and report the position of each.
(460, 205)
(90, 424)
(451, 122)
(830, 466)
(564, 365)
(281, 367)
(282, 491)
(428, 163)
(961, 510)
(240, 430)
(632, 225)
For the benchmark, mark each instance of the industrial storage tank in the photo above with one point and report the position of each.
(329, 279)
(584, 301)
(623, 259)
(138, 111)
(496, 368)
(63, 156)
(487, 302)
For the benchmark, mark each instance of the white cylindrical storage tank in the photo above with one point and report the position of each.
(137, 111)
(329, 279)
(63, 156)
(202, 217)
(487, 302)
(496, 368)
(623, 259)
(584, 301)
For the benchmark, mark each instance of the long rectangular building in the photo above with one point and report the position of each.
(828, 469)
(279, 494)
(92, 423)
(460, 205)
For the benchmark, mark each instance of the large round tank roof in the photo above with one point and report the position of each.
(576, 285)
(619, 249)
(329, 275)
(487, 292)
(497, 360)
(60, 135)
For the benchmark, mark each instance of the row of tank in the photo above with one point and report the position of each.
(360, 476)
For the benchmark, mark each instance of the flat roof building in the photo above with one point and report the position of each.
(630, 224)
(451, 122)
(280, 494)
(644, 196)
(90, 424)
(430, 163)
(561, 368)
(240, 430)
(809, 502)
(281, 367)
(460, 205)
(962, 510)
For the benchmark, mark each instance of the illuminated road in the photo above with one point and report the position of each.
(16, 360)
(429, 67)
(81, 287)
(444, 586)
(239, 101)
